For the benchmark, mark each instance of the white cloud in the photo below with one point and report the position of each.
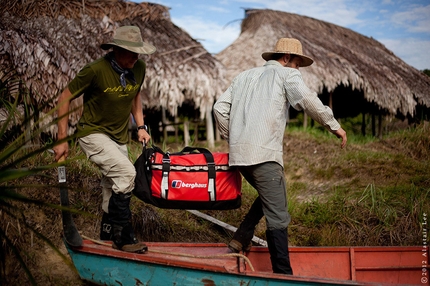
(218, 9)
(414, 52)
(212, 35)
(339, 12)
(416, 20)
(388, 21)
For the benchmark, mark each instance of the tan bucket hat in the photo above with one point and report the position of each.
(289, 46)
(129, 38)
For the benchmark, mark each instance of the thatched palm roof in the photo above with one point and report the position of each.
(342, 57)
(48, 41)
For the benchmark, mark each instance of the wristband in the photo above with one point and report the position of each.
(144, 127)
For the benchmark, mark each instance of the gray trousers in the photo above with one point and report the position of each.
(269, 180)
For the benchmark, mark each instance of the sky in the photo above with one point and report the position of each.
(403, 26)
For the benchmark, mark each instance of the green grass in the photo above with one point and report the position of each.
(374, 192)
(369, 195)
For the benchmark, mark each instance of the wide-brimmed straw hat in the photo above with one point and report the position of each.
(129, 38)
(289, 46)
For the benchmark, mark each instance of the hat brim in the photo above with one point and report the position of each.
(306, 61)
(144, 49)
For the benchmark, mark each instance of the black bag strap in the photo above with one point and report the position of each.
(165, 169)
(209, 158)
(210, 161)
(211, 169)
(155, 148)
(165, 175)
(208, 155)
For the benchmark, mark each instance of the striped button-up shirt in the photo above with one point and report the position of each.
(252, 113)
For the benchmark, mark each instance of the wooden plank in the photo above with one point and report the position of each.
(255, 239)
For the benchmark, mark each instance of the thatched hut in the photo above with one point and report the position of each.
(352, 73)
(48, 41)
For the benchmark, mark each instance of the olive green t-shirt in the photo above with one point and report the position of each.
(107, 105)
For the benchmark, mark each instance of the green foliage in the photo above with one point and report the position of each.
(20, 159)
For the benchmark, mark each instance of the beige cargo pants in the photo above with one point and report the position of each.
(118, 172)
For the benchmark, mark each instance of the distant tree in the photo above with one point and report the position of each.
(427, 72)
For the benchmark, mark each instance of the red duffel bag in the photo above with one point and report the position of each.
(194, 178)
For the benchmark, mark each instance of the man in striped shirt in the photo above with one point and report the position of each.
(251, 115)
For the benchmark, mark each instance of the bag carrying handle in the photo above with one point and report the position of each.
(208, 155)
(189, 149)
(157, 149)
(210, 161)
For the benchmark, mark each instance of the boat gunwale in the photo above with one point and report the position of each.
(91, 247)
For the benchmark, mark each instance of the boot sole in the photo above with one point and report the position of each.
(236, 246)
(133, 248)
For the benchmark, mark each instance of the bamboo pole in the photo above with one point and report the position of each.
(187, 133)
(255, 239)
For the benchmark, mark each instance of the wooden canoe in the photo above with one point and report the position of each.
(211, 264)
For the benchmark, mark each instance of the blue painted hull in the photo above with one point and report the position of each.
(105, 270)
(211, 264)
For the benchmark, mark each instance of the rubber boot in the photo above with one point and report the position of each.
(120, 217)
(124, 239)
(277, 241)
(119, 208)
(106, 227)
(242, 237)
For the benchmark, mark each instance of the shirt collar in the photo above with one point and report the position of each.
(273, 63)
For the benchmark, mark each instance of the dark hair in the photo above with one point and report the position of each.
(278, 56)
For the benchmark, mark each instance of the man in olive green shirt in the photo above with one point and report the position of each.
(111, 90)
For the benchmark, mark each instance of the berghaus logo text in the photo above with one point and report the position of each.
(179, 184)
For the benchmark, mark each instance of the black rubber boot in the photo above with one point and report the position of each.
(277, 241)
(242, 237)
(124, 239)
(119, 208)
(120, 217)
(106, 227)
